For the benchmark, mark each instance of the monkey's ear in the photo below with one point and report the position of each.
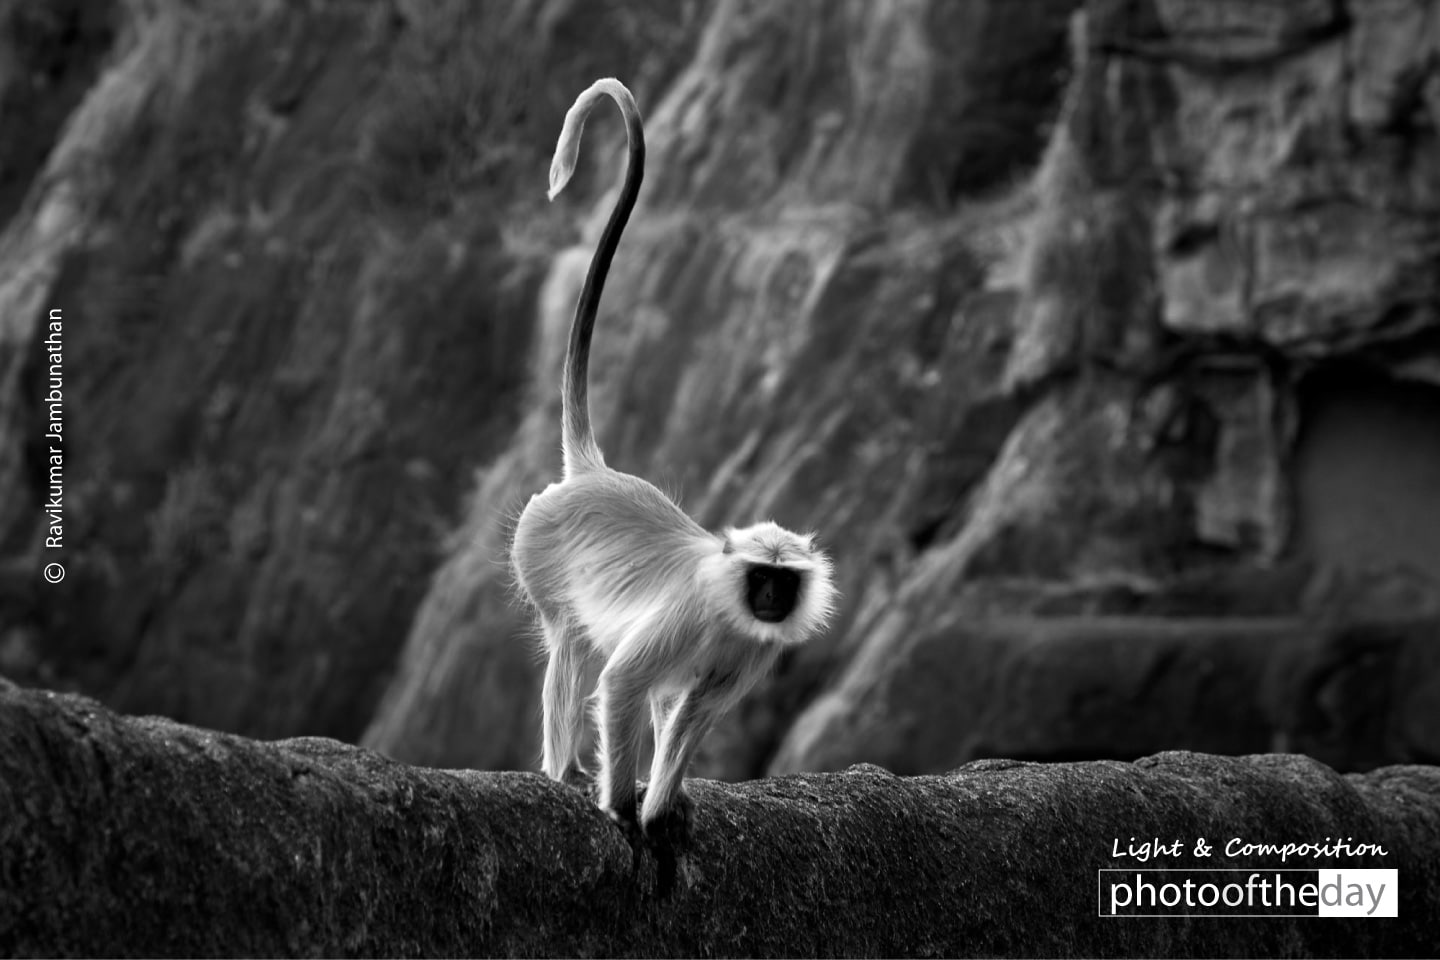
(811, 542)
(729, 547)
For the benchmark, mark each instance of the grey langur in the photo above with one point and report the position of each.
(676, 617)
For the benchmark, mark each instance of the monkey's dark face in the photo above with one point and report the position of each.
(772, 592)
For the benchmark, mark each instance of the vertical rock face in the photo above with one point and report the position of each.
(295, 284)
(1097, 341)
(1227, 309)
(804, 305)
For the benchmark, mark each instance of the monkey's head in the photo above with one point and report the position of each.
(779, 584)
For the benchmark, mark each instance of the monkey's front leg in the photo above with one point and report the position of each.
(622, 690)
(667, 807)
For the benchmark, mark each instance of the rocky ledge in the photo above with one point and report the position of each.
(140, 836)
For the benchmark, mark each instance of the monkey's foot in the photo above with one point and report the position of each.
(670, 828)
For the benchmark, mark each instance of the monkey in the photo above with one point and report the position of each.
(674, 616)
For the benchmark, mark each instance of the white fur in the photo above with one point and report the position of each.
(625, 582)
(769, 544)
(622, 577)
(567, 150)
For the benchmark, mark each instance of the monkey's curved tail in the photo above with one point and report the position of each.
(578, 438)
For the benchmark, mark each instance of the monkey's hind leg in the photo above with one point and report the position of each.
(563, 702)
(620, 710)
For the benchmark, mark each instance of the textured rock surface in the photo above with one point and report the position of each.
(1036, 317)
(1100, 394)
(125, 836)
(295, 285)
(767, 274)
(1359, 695)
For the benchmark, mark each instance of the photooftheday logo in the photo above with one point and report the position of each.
(1248, 893)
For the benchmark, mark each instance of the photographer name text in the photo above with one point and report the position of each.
(55, 432)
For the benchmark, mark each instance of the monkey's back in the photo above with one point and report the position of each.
(602, 545)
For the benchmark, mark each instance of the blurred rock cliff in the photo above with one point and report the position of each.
(1099, 341)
